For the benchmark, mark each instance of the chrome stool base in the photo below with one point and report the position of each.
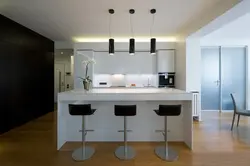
(83, 153)
(171, 155)
(120, 153)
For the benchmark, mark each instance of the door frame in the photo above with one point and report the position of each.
(246, 73)
(62, 76)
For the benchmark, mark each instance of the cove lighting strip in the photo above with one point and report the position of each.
(123, 40)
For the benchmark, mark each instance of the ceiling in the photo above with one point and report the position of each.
(62, 20)
(238, 29)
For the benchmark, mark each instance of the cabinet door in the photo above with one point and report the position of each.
(105, 64)
(123, 63)
(166, 61)
(144, 63)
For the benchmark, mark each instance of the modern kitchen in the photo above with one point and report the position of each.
(125, 91)
(126, 77)
(136, 82)
(142, 79)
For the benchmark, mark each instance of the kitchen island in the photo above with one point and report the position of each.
(106, 124)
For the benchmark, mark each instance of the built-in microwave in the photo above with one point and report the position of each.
(166, 79)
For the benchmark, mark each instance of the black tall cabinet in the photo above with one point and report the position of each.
(27, 74)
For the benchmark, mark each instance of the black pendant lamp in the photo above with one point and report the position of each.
(132, 46)
(111, 41)
(131, 40)
(152, 40)
(153, 46)
(111, 46)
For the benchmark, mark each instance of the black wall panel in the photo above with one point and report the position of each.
(26, 75)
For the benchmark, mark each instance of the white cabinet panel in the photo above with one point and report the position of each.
(104, 63)
(123, 63)
(166, 60)
(143, 63)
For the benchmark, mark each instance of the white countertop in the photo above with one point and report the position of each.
(127, 90)
(125, 94)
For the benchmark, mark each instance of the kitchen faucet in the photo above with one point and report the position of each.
(148, 85)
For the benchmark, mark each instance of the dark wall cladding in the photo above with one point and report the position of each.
(27, 74)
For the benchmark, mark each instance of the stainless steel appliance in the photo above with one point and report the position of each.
(166, 80)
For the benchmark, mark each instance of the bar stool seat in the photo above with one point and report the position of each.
(125, 152)
(84, 152)
(164, 152)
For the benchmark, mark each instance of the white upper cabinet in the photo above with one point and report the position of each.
(123, 63)
(104, 63)
(166, 61)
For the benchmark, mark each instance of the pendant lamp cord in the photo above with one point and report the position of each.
(110, 20)
(152, 24)
(131, 25)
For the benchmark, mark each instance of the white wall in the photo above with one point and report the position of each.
(188, 64)
(180, 65)
(193, 61)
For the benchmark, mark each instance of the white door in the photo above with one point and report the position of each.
(59, 80)
(223, 73)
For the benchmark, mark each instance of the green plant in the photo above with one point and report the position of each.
(86, 63)
(87, 79)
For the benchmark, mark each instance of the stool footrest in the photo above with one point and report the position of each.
(159, 131)
(126, 130)
(86, 130)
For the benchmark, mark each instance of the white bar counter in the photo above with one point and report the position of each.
(106, 124)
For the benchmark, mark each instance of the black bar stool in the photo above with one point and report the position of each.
(84, 152)
(125, 152)
(164, 152)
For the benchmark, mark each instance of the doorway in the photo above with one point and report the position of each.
(223, 72)
(59, 79)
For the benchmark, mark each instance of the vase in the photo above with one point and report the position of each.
(86, 85)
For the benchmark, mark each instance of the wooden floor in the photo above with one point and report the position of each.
(34, 144)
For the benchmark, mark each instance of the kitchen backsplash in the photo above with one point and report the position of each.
(128, 80)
